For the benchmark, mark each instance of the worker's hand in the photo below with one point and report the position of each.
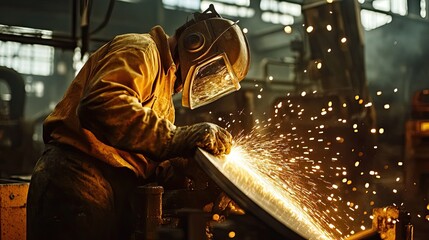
(207, 136)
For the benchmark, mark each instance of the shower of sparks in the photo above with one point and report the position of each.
(282, 186)
(309, 152)
(306, 148)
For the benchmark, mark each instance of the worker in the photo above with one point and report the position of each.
(115, 124)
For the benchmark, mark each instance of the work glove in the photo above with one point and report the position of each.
(207, 136)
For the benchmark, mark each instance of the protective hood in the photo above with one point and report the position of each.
(214, 57)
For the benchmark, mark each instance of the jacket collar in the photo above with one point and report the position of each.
(161, 40)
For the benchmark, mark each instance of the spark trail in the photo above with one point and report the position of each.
(289, 188)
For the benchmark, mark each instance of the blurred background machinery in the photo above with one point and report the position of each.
(416, 154)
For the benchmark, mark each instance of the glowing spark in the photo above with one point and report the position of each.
(328, 27)
(379, 93)
(309, 29)
(288, 29)
(386, 106)
(259, 167)
(343, 40)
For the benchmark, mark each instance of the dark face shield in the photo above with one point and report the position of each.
(209, 81)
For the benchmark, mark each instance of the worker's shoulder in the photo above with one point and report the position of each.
(140, 41)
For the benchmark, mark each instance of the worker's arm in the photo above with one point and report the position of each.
(112, 109)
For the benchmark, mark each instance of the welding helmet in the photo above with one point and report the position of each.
(214, 57)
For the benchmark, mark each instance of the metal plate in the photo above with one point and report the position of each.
(251, 203)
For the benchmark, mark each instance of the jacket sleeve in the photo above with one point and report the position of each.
(112, 105)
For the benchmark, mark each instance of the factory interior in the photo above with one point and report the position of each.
(332, 118)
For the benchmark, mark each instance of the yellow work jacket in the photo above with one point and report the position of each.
(119, 108)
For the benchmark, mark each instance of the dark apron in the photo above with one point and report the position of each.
(73, 196)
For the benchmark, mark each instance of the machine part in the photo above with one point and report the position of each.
(370, 234)
(12, 111)
(388, 223)
(150, 214)
(193, 221)
(189, 224)
(13, 199)
(385, 220)
(409, 232)
(243, 227)
(281, 215)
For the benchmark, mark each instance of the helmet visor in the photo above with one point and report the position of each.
(212, 80)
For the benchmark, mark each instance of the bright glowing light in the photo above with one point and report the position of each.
(386, 106)
(288, 174)
(215, 217)
(251, 165)
(343, 40)
(282, 170)
(328, 27)
(379, 93)
(309, 29)
(288, 29)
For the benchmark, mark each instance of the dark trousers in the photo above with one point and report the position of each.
(73, 196)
